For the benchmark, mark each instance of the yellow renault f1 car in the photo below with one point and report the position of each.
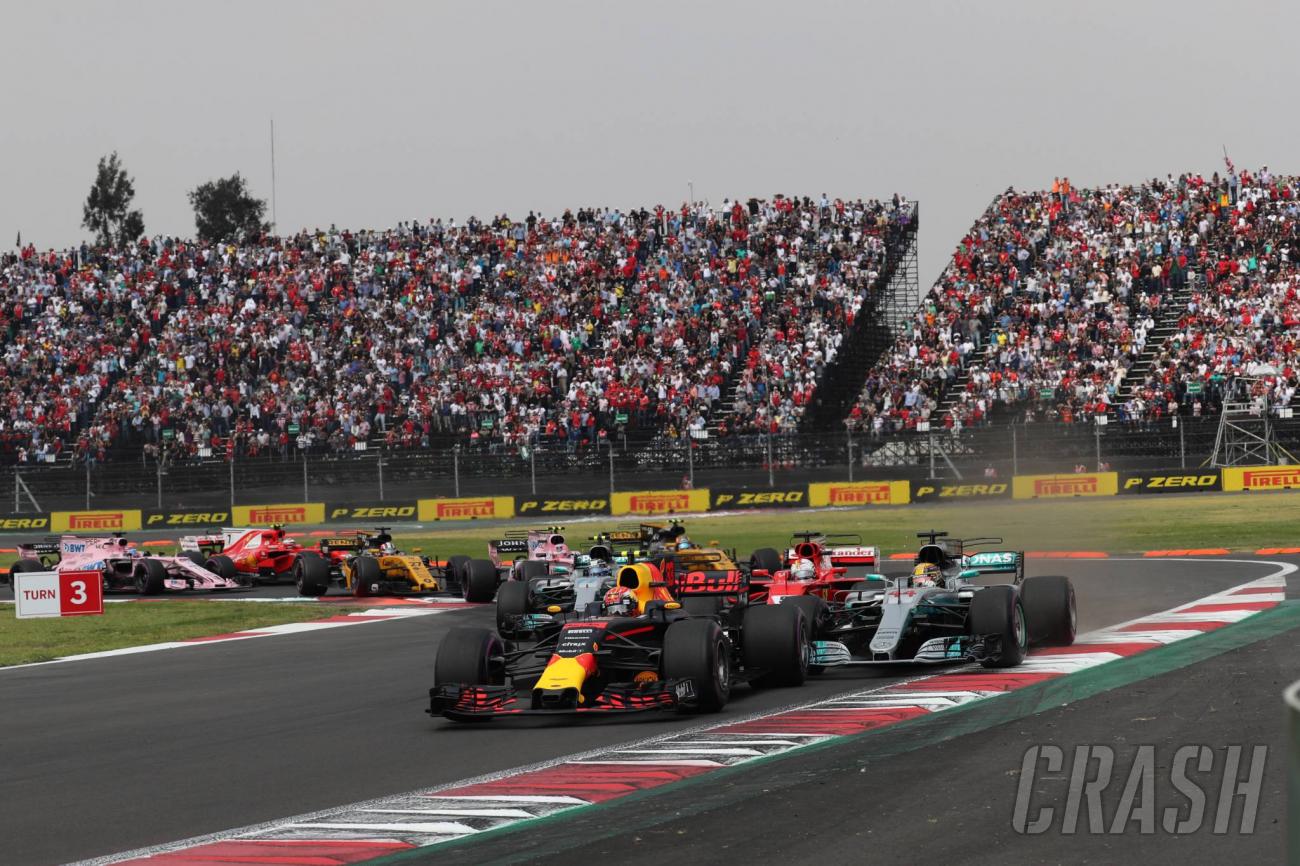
(368, 563)
(634, 648)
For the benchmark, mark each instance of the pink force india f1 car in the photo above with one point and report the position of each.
(124, 566)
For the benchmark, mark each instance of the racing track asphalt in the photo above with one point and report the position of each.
(112, 754)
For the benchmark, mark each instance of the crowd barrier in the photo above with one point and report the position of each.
(650, 503)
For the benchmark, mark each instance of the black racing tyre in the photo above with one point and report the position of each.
(697, 649)
(470, 656)
(530, 568)
(702, 605)
(456, 571)
(997, 610)
(512, 601)
(311, 574)
(480, 583)
(775, 641)
(1050, 610)
(365, 573)
(222, 566)
(149, 575)
(22, 566)
(195, 557)
(767, 559)
(814, 612)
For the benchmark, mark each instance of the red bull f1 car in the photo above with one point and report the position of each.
(938, 614)
(643, 651)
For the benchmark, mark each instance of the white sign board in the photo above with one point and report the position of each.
(37, 594)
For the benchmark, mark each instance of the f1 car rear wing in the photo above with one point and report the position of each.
(733, 582)
(996, 561)
(47, 546)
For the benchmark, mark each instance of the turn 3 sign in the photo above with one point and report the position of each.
(61, 593)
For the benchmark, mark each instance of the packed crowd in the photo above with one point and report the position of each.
(563, 329)
(1049, 299)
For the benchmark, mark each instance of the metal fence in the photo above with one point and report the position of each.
(748, 462)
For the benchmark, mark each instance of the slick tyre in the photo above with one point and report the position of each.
(456, 572)
(470, 656)
(814, 611)
(998, 611)
(776, 644)
(765, 558)
(221, 566)
(480, 584)
(149, 575)
(365, 574)
(22, 566)
(697, 649)
(512, 603)
(311, 575)
(531, 568)
(1050, 610)
(195, 557)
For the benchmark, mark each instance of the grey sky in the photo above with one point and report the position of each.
(390, 111)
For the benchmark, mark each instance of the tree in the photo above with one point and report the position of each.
(107, 210)
(224, 210)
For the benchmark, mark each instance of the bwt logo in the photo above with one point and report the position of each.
(277, 515)
(96, 521)
(1098, 783)
(467, 508)
(1077, 486)
(859, 495)
(1266, 478)
(659, 503)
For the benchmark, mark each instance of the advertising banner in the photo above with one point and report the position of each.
(471, 508)
(154, 519)
(372, 511)
(659, 502)
(927, 491)
(1236, 478)
(843, 493)
(290, 513)
(93, 522)
(530, 506)
(1065, 486)
(1170, 482)
(20, 522)
(730, 500)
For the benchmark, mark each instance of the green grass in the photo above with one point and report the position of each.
(136, 624)
(1123, 524)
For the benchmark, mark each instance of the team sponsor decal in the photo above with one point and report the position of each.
(1171, 482)
(265, 515)
(10, 523)
(158, 519)
(116, 520)
(1065, 486)
(726, 500)
(556, 505)
(659, 501)
(372, 511)
(859, 493)
(476, 508)
(1237, 478)
(927, 490)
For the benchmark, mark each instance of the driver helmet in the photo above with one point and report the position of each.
(388, 548)
(803, 570)
(684, 543)
(927, 574)
(599, 568)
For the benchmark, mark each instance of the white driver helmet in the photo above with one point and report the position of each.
(388, 548)
(803, 570)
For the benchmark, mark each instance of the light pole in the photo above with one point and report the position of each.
(924, 427)
(455, 468)
(1101, 422)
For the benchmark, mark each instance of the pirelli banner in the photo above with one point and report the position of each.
(730, 500)
(1236, 478)
(93, 522)
(651, 502)
(859, 493)
(934, 491)
(471, 508)
(265, 515)
(1065, 486)
(165, 519)
(371, 512)
(1171, 482)
(531, 506)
